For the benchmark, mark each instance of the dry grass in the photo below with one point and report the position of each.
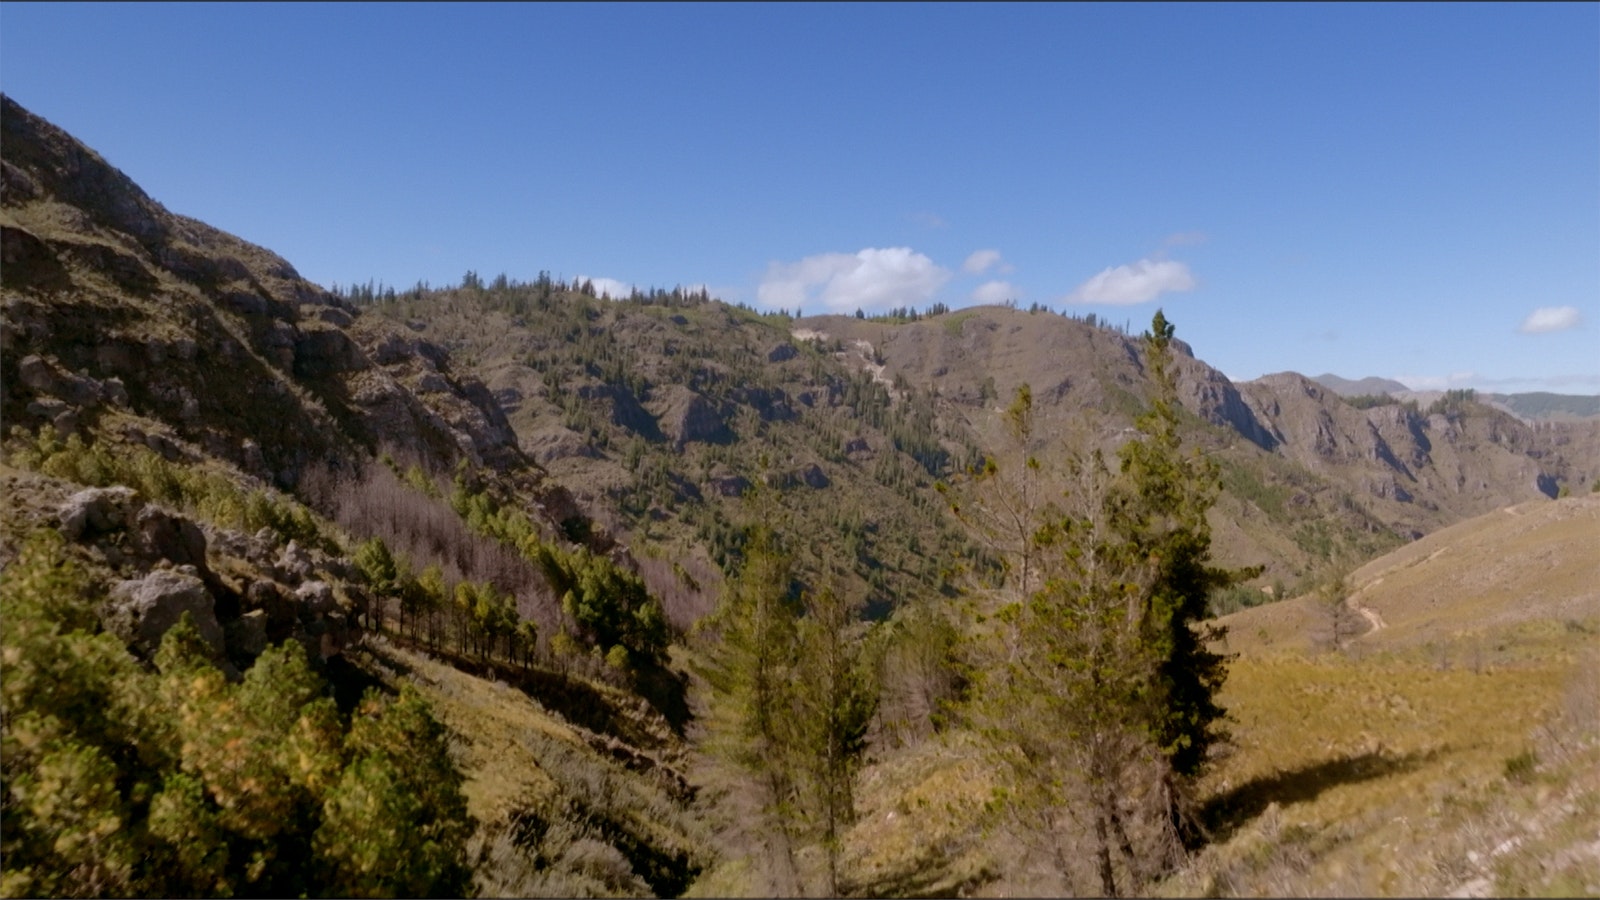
(1454, 750)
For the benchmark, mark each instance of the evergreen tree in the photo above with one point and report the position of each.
(834, 700)
(121, 781)
(1110, 652)
(747, 665)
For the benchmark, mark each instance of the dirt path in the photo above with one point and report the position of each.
(1367, 612)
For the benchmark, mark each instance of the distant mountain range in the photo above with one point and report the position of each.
(1344, 387)
(1531, 406)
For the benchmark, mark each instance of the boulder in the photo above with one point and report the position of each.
(730, 485)
(161, 534)
(274, 601)
(813, 477)
(687, 416)
(294, 563)
(322, 350)
(782, 352)
(140, 611)
(45, 378)
(97, 510)
(316, 600)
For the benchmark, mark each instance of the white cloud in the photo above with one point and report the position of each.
(1546, 319)
(871, 279)
(1138, 282)
(993, 293)
(980, 260)
(617, 290)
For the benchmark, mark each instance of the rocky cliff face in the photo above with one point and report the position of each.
(1395, 467)
(119, 313)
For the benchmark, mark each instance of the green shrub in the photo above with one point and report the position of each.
(204, 491)
(123, 781)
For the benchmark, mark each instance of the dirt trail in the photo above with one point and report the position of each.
(1367, 612)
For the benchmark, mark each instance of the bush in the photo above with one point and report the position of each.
(205, 492)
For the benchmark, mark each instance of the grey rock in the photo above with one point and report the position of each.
(34, 372)
(294, 563)
(65, 422)
(730, 485)
(246, 303)
(322, 350)
(275, 601)
(782, 352)
(316, 599)
(433, 383)
(163, 445)
(47, 408)
(97, 510)
(814, 477)
(115, 391)
(140, 611)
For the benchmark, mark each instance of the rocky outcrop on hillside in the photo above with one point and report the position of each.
(114, 305)
(1421, 469)
(688, 416)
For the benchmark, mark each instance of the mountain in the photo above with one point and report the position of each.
(1369, 386)
(602, 392)
(517, 502)
(1545, 406)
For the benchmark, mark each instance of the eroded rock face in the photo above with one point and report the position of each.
(142, 610)
(246, 636)
(813, 477)
(687, 416)
(326, 350)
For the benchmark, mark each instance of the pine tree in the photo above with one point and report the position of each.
(1107, 700)
(834, 700)
(747, 665)
(1161, 514)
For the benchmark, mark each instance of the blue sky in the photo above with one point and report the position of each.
(1410, 191)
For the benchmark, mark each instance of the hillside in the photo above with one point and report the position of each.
(203, 432)
(1446, 702)
(1542, 405)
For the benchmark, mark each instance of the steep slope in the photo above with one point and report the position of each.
(1528, 563)
(1451, 748)
(165, 384)
(117, 309)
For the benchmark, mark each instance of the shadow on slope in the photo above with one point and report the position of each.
(1225, 813)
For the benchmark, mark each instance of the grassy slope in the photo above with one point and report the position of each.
(1453, 748)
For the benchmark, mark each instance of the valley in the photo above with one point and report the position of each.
(501, 530)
